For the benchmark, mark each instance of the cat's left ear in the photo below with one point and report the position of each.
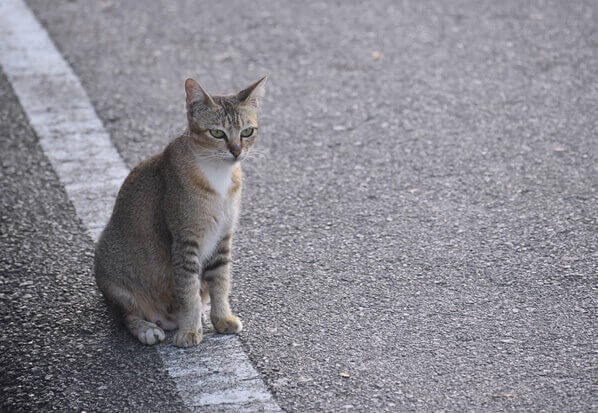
(253, 94)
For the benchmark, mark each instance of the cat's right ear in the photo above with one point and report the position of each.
(254, 93)
(196, 93)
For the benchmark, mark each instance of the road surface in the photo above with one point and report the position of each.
(419, 232)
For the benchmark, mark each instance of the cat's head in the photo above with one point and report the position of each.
(223, 128)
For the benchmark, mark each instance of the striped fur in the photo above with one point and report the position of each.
(168, 244)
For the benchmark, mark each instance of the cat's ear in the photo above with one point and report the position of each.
(196, 93)
(254, 93)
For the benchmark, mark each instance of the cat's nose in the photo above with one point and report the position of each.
(235, 150)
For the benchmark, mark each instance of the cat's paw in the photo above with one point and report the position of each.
(151, 336)
(228, 325)
(186, 338)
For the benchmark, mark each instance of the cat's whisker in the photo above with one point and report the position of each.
(256, 154)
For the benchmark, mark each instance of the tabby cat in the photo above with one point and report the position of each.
(167, 247)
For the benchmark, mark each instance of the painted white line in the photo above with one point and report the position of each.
(217, 375)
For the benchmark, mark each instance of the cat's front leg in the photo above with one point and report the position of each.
(186, 266)
(217, 275)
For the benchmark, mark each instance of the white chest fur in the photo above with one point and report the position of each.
(218, 175)
(225, 210)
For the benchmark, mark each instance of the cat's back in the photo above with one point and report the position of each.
(143, 183)
(137, 208)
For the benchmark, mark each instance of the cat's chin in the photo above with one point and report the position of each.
(232, 161)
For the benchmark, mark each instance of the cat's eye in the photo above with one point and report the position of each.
(217, 133)
(247, 132)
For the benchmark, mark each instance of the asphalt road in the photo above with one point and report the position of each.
(423, 219)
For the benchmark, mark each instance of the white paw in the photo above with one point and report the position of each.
(151, 336)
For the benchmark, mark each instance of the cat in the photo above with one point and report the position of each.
(166, 249)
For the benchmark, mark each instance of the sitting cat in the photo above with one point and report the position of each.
(167, 246)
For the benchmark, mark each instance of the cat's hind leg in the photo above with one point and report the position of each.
(146, 332)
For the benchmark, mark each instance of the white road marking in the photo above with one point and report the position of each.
(217, 374)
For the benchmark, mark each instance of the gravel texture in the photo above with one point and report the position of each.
(420, 232)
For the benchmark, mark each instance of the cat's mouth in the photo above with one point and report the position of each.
(228, 158)
(234, 159)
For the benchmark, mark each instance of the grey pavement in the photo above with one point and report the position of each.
(420, 232)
